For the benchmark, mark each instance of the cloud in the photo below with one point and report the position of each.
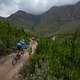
(40, 6)
(8, 7)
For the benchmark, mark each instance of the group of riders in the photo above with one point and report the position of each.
(22, 45)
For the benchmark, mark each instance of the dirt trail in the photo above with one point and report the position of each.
(7, 70)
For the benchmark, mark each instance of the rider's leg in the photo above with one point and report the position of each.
(18, 51)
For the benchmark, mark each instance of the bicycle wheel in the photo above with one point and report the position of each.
(14, 61)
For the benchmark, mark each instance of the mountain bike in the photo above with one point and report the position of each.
(17, 57)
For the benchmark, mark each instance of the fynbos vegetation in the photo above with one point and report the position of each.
(9, 35)
(55, 60)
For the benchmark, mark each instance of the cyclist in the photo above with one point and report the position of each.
(32, 45)
(21, 45)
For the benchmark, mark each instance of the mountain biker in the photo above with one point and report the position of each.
(21, 45)
(32, 45)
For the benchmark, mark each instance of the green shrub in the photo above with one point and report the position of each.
(9, 36)
(52, 61)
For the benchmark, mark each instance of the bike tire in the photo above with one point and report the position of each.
(14, 61)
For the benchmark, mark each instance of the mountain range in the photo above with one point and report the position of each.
(58, 20)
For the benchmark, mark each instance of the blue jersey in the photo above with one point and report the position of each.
(22, 44)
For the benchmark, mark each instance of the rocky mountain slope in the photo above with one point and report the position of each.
(57, 20)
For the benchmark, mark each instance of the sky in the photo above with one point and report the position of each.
(8, 7)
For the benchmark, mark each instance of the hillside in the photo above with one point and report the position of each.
(62, 18)
(9, 36)
(1, 18)
(57, 17)
(22, 19)
(55, 60)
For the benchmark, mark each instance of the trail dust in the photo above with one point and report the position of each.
(7, 70)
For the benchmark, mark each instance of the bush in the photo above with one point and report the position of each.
(52, 61)
(9, 36)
